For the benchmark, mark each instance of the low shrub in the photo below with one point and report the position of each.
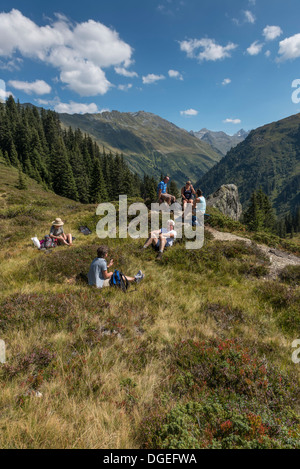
(214, 424)
(290, 274)
(219, 394)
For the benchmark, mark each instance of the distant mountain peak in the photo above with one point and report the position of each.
(219, 140)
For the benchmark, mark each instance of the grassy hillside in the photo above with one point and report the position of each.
(268, 158)
(149, 143)
(198, 355)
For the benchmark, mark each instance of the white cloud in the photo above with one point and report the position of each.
(255, 48)
(249, 17)
(268, 53)
(226, 81)
(289, 48)
(272, 32)
(76, 108)
(175, 74)
(151, 78)
(189, 112)
(4, 95)
(125, 87)
(79, 51)
(11, 65)
(232, 121)
(210, 50)
(125, 73)
(37, 87)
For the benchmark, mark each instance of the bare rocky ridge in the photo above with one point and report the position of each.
(227, 200)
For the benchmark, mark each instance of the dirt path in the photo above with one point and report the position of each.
(278, 259)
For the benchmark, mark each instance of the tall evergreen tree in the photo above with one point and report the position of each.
(260, 214)
(98, 192)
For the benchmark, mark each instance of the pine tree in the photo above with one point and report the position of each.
(21, 182)
(173, 189)
(63, 182)
(260, 214)
(98, 192)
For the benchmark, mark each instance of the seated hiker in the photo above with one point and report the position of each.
(187, 194)
(57, 232)
(162, 192)
(98, 274)
(161, 239)
(199, 207)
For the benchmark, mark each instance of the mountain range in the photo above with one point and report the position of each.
(268, 158)
(220, 141)
(150, 145)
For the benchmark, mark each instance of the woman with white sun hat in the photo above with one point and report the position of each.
(57, 232)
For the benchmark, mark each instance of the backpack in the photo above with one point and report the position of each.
(119, 280)
(85, 230)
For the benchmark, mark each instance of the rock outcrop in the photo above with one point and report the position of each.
(227, 200)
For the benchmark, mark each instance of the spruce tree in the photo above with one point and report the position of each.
(63, 182)
(21, 182)
(173, 189)
(98, 192)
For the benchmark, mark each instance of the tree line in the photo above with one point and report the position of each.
(65, 161)
(260, 216)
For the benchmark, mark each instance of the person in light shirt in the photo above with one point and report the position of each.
(161, 239)
(199, 208)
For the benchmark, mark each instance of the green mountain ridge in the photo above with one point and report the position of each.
(150, 145)
(268, 158)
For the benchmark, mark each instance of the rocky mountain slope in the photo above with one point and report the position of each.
(220, 141)
(268, 158)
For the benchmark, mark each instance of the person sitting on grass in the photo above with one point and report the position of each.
(161, 239)
(187, 193)
(57, 232)
(99, 276)
(162, 192)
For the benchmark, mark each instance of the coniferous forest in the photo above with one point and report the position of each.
(68, 162)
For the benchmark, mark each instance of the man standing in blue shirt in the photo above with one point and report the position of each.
(162, 192)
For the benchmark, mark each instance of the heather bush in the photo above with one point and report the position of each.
(222, 395)
(291, 275)
(211, 423)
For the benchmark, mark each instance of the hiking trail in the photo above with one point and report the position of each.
(278, 259)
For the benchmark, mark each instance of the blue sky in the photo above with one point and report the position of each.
(220, 64)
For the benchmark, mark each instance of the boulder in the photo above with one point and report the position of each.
(227, 200)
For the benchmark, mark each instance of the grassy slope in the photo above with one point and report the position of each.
(149, 143)
(101, 359)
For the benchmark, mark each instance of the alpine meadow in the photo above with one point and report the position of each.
(129, 342)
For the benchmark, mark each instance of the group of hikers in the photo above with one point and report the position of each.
(98, 274)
